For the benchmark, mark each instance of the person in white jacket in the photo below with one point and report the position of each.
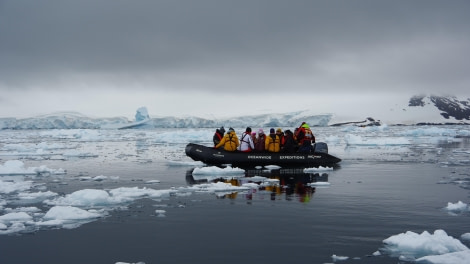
(246, 142)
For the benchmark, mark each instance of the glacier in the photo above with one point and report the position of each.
(420, 110)
(68, 120)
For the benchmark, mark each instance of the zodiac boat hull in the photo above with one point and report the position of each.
(212, 156)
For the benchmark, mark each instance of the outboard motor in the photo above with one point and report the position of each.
(320, 147)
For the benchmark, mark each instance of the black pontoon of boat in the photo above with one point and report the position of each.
(218, 157)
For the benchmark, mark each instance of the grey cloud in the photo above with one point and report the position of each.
(213, 44)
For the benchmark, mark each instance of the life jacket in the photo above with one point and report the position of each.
(229, 141)
(232, 142)
(273, 143)
(246, 141)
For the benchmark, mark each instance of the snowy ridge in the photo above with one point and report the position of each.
(419, 110)
(72, 121)
(62, 121)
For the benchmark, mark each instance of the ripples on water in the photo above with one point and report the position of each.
(385, 185)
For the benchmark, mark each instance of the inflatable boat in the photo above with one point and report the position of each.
(220, 157)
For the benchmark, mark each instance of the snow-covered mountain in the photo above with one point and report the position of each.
(431, 109)
(451, 109)
(419, 109)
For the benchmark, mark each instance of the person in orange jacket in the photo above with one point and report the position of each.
(273, 142)
(229, 141)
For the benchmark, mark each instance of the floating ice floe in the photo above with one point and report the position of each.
(257, 178)
(423, 247)
(98, 178)
(339, 258)
(102, 198)
(272, 167)
(449, 258)
(69, 211)
(465, 236)
(16, 167)
(457, 208)
(310, 170)
(160, 213)
(214, 187)
(7, 187)
(212, 170)
(152, 182)
(15, 217)
(69, 217)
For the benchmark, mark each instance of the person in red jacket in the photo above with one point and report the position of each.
(305, 138)
(218, 135)
(304, 134)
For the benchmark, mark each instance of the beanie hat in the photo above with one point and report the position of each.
(271, 131)
(305, 125)
(222, 129)
(260, 131)
(279, 130)
(231, 130)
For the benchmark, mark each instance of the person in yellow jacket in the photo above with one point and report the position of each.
(230, 141)
(273, 142)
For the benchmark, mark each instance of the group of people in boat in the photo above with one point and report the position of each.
(276, 141)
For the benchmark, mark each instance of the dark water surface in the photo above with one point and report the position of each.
(366, 203)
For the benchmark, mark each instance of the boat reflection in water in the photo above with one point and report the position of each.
(274, 184)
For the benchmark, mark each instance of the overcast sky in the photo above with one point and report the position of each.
(222, 58)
